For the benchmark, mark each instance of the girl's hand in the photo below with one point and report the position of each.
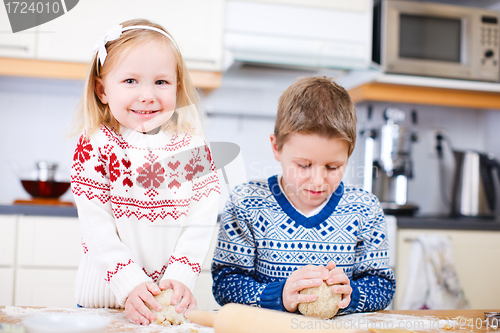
(304, 277)
(337, 276)
(182, 296)
(135, 309)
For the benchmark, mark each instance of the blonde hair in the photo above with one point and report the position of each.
(316, 105)
(92, 113)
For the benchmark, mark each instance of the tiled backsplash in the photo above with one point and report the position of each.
(37, 114)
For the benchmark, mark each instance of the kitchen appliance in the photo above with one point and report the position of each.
(42, 185)
(388, 164)
(476, 182)
(441, 40)
(303, 33)
(492, 319)
(474, 189)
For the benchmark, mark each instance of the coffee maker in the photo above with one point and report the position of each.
(388, 165)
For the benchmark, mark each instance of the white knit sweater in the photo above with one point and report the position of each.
(147, 206)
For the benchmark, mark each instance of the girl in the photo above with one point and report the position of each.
(142, 177)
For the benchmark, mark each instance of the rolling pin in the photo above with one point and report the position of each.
(238, 318)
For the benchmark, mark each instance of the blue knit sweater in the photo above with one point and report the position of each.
(263, 239)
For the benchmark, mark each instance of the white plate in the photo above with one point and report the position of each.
(68, 323)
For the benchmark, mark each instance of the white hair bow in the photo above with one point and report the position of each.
(115, 33)
(100, 46)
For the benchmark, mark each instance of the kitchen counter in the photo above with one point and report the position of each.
(447, 223)
(404, 222)
(420, 320)
(39, 210)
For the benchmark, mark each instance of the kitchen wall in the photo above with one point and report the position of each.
(254, 92)
(36, 119)
(37, 114)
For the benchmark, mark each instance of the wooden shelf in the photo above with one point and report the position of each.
(204, 80)
(443, 92)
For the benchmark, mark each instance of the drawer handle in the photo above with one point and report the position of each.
(15, 47)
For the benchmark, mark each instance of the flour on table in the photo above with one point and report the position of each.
(389, 321)
(117, 318)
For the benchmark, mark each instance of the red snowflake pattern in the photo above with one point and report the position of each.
(151, 175)
(83, 150)
(114, 168)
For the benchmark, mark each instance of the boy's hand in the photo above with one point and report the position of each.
(182, 296)
(338, 277)
(135, 309)
(304, 277)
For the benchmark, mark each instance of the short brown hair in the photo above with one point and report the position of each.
(316, 105)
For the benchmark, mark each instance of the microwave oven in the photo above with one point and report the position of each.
(439, 40)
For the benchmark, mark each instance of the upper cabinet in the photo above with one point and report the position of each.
(19, 45)
(196, 25)
(310, 33)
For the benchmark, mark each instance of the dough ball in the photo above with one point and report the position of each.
(167, 316)
(325, 306)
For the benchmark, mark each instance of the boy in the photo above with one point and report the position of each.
(294, 231)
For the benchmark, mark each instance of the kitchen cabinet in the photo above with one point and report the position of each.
(474, 263)
(203, 290)
(45, 287)
(62, 48)
(331, 34)
(7, 240)
(48, 252)
(48, 242)
(39, 257)
(196, 25)
(7, 258)
(19, 45)
(6, 286)
(428, 91)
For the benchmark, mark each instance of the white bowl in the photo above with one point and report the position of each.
(63, 322)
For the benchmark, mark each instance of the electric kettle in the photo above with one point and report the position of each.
(476, 184)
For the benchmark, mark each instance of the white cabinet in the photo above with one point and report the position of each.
(45, 287)
(18, 45)
(475, 263)
(6, 286)
(7, 240)
(48, 254)
(49, 242)
(39, 258)
(196, 25)
(203, 291)
(7, 256)
(318, 33)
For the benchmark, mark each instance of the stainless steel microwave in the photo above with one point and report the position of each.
(439, 40)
